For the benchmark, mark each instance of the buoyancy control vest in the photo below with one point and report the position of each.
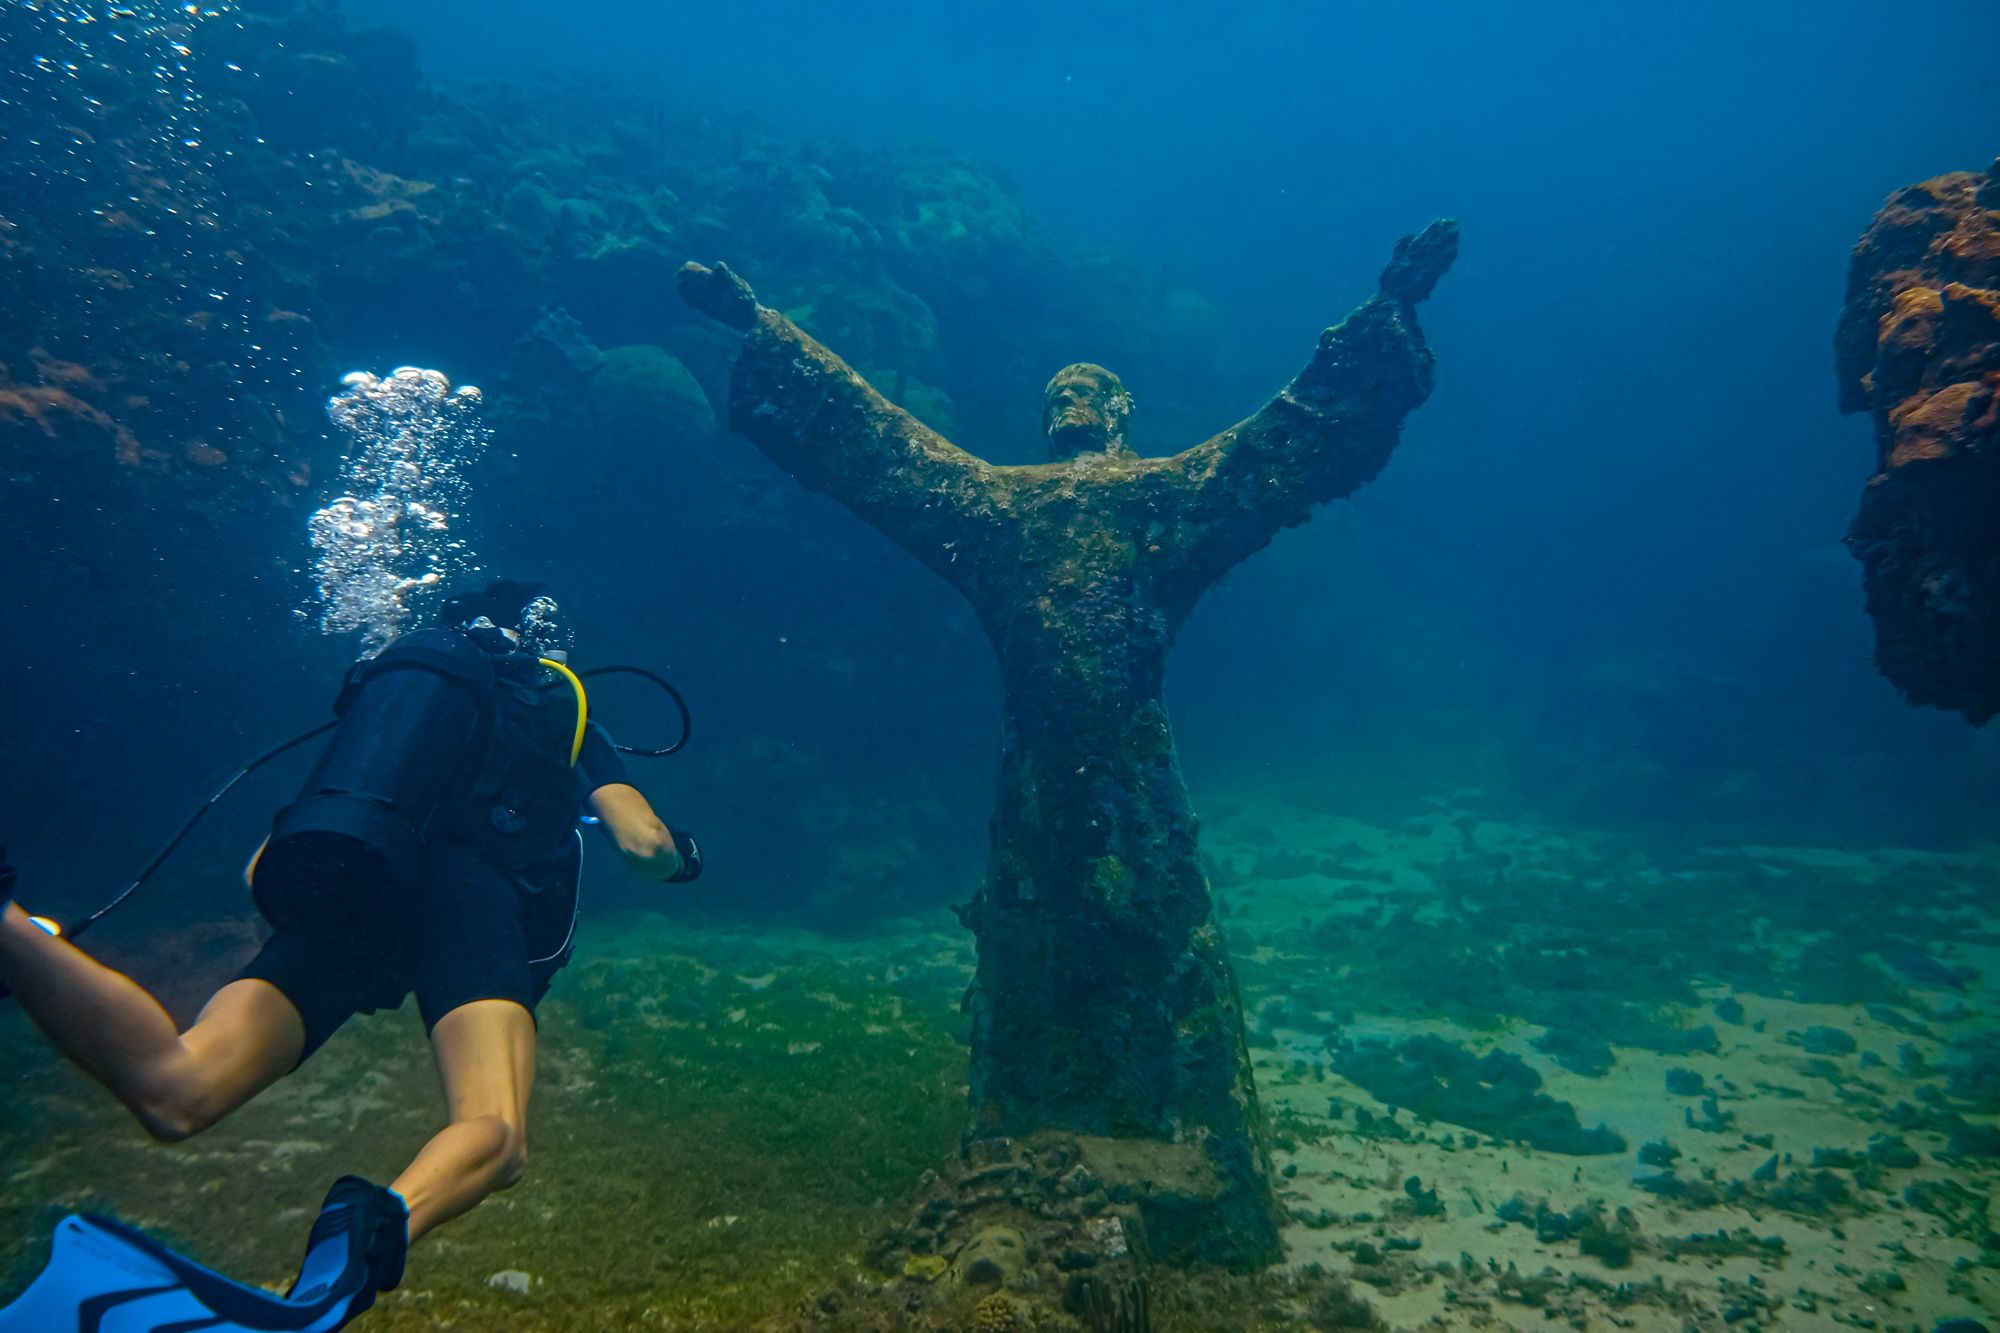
(518, 809)
(437, 737)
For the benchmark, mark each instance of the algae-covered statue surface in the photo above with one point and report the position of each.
(1104, 1009)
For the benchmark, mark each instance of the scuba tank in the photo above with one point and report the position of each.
(358, 834)
(413, 723)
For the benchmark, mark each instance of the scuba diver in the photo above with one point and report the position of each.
(433, 850)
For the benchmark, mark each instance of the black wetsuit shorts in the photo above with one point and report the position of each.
(473, 933)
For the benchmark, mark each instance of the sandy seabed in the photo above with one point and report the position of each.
(725, 1117)
(1895, 1248)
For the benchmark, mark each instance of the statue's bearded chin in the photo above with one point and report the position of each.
(1077, 429)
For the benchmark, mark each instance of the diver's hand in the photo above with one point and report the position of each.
(689, 852)
(642, 837)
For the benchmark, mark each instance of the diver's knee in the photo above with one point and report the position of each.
(169, 1120)
(173, 1108)
(513, 1158)
(502, 1151)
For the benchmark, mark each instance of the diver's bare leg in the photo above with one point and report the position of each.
(247, 1037)
(486, 1058)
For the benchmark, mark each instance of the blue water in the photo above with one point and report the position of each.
(1560, 737)
(1601, 582)
(1604, 569)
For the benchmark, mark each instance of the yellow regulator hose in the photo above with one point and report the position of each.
(582, 705)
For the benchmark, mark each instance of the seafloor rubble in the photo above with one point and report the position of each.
(1821, 1153)
(1919, 350)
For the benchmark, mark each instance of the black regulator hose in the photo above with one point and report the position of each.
(76, 931)
(201, 811)
(687, 718)
(160, 858)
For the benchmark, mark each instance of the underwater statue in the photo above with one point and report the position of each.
(1104, 1009)
(1919, 350)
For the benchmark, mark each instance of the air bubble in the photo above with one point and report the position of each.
(385, 540)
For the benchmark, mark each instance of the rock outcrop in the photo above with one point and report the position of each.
(1919, 350)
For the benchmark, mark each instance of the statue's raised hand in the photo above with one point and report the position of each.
(814, 416)
(1420, 261)
(720, 293)
(1329, 431)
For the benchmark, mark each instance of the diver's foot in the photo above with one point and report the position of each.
(357, 1247)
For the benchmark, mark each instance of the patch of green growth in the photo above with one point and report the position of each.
(1892, 1152)
(1973, 1076)
(1610, 1243)
(1368, 1125)
(1534, 1290)
(1803, 1193)
(682, 1169)
(1111, 880)
(1496, 1094)
(1659, 1153)
(1289, 1130)
(1309, 1299)
(1292, 1011)
(1577, 1052)
(1826, 971)
(1575, 942)
(1739, 1244)
(1961, 1209)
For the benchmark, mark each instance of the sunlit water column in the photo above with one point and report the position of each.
(388, 538)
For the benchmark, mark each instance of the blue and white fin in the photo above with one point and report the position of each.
(106, 1277)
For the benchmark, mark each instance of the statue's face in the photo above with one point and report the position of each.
(1084, 411)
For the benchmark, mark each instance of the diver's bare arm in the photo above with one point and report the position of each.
(1329, 431)
(814, 416)
(642, 837)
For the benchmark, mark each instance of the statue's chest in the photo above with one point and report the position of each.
(1088, 611)
(1079, 589)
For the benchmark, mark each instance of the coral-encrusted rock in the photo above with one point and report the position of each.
(1919, 348)
(643, 390)
(57, 416)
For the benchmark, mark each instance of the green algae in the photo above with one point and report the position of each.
(1496, 1094)
(717, 1133)
(1607, 946)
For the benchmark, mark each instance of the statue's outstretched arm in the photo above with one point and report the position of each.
(1329, 431)
(820, 421)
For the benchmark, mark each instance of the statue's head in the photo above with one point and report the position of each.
(1084, 410)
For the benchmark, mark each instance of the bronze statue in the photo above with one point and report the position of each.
(1104, 1008)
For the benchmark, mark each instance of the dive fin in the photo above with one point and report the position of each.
(106, 1277)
